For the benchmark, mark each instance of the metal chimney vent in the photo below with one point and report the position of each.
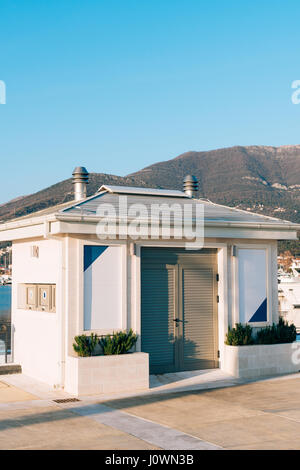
(80, 180)
(190, 185)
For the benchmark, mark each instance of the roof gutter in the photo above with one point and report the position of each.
(208, 223)
(45, 220)
(26, 222)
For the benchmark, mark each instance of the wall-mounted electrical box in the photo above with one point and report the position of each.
(44, 298)
(53, 298)
(31, 297)
(41, 297)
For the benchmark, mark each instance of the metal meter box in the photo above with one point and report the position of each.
(31, 296)
(44, 297)
(40, 297)
(53, 298)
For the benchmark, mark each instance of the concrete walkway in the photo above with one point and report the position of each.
(153, 433)
(10, 394)
(257, 415)
(163, 383)
(191, 380)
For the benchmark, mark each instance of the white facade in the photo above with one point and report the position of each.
(289, 300)
(37, 334)
(98, 284)
(102, 287)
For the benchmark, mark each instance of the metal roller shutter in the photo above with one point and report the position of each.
(179, 309)
(158, 297)
(199, 327)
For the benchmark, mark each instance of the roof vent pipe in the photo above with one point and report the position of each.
(80, 180)
(190, 185)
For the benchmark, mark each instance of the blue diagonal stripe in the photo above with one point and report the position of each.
(261, 313)
(91, 253)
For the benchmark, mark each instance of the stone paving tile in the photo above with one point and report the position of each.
(55, 428)
(9, 393)
(263, 395)
(149, 431)
(30, 385)
(258, 415)
(290, 414)
(252, 432)
(269, 445)
(190, 380)
(224, 431)
(255, 416)
(172, 410)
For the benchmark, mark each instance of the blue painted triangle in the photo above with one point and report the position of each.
(91, 253)
(261, 313)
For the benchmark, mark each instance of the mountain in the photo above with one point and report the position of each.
(258, 178)
(59, 193)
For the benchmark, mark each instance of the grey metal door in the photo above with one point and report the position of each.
(198, 312)
(179, 309)
(158, 310)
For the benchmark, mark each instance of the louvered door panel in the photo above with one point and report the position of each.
(158, 304)
(199, 315)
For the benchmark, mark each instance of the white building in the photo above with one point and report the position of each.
(289, 299)
(180, 302)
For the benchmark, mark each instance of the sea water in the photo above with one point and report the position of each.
(5, 302)
(5, 314)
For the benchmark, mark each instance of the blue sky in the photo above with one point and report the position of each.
(118, 85)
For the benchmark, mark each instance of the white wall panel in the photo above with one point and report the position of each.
(36, 335)
(252, 278)
(102, 287)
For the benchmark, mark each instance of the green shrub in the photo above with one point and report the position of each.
(118, 343)
(241, 335)
(84, 345)
(266, 335)
(275, 334)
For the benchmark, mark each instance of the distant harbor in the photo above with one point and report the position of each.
(5, 302)
(4, 281)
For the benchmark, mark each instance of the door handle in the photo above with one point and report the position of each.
(177, 320)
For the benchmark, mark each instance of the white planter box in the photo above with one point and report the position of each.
(107, 374)
(262, 360)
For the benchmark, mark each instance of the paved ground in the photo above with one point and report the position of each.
(261, 415)
(258, 415)
(55, 428)
(12, 394)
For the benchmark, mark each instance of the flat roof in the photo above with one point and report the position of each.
(212, 212)
(86, 210)
(140, 191)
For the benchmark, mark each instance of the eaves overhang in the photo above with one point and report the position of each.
(75, 221)
(207, 222)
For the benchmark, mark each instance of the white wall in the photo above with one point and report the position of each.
(36, 335)
(106, 281)
(289, 295)
(252, 279)
(103, 288)
(260, 278)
